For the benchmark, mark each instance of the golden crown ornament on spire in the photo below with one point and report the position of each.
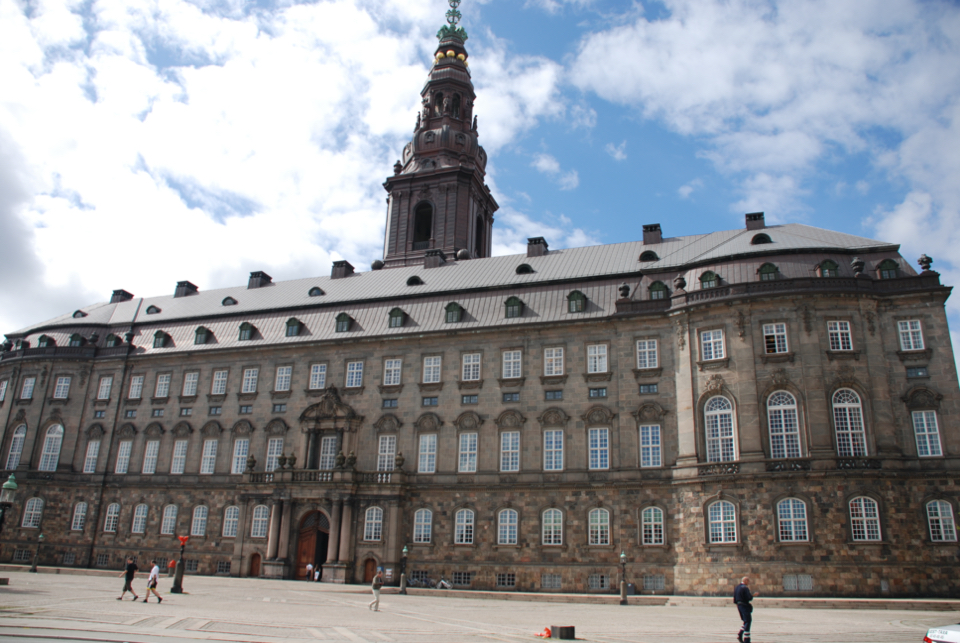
(451, 30)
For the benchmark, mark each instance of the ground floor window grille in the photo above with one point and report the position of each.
(598, 581)
(70, 558)
(506, 580)
(550, 581)
(223, 566)
(192, 565)
(653, 583)
(420, 575)
(462, 578)
(798, 583)
(103, 560)
(21, 555)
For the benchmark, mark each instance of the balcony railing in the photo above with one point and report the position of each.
(312, 476)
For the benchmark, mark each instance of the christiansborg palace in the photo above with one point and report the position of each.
(777, 400)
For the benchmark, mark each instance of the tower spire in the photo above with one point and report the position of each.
(451, 30)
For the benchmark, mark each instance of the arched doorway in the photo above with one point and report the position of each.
(312, 543)
(369, 570)
(254, 566)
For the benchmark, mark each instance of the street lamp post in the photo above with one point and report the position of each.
(7, 493)
(36, 555)
(178, 574)
(623, 578)
(403, 570)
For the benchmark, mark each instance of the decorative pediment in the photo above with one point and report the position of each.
(468, 420)
(211, 429)
(598, 415)
(243, 427)
(920, 397)
(127, 431)
(95, 432)
(388, 422)
(154, 430)
(510, 420)
(276, 426)
(428, 422)
(714, 384)
(649, 412)
(182, 430)
(329, 410)
(553, 417)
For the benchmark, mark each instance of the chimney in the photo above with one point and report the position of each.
(341, 269)
(259, 279)
(755, 221)
(434, 258)
(119, 296)
(652, 234)
(536, 247)
(184, 289)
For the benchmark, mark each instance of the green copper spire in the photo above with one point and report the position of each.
(451, 30)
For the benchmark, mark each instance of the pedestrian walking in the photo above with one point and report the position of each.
(152, 581)
(742, 597)
(316, 576)
(130, 572)
(377, 584)
(309, 576)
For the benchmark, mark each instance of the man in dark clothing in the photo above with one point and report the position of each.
(130, 573)
(742, 597)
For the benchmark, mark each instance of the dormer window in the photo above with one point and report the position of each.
(160, 339)
(658, 290)
(454, 313)
(761, 238)
(228, 301)
(246, 331)
(293, 327)
(888, 269)
(344, 321)
(414, 281)
(152, 310)
(316, 292)
(709, 280)
(45, 341)
(79, 314)
(201, 335)
(113, 341)
(649, 255)
(514, 307)
(397, 317)
(524, 269)
(768, 272)
(576, 302)
(76, 340)
(828, 268)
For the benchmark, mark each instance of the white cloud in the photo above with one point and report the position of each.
(515, 227)
(555, 6)
(686, 190)
(550, 166)
(618, 152)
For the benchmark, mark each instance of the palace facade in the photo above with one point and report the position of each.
(775, 400)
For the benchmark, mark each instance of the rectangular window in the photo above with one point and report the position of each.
(123, 457)
(647, 353)
(26, 392)
(428, 454)
(216, 410)
(598, 581)
(839, 334)
(250, 380)
(471, 367)
(190, 381)
(650, 446)
(798, 583)
(156, 413)
(598, 392)
(223, 567)
(654, 582)
(648, 388)
(241, 449)
(99, 415)
(469, 399)
(507, 580)
(103, 391)
(179, 460)
(511, 397)
(186, 412)
(192, 566)
(711, 345)
(389, 404)
(130, 413)
(318, 376)
(510, 451)
(90, 462)
(328, 452)
(354, 374)
(208, 461)
(512, 364)
(597, 358)
(918, 371)
(553, 450)
(62, 390)
(552, 362)
(162, 388)
(553, 395)
(219, 386)
(150, 453)
(911, 337)
(246, 409)
(550, 581)
(775, 338)
(468, 453)
(386, 454)
(462, 579)
(599, 448)
(279, 408)
(3, 391)
(391, 372)
(928, 434)
(274, 451)
(284, 374)
(431, 369)
(431, 401)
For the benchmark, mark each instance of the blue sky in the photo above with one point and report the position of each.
(143, 142)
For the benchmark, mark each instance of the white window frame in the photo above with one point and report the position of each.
(721, 439)
(250, 377)
(387, 453)
(168, 524)
(865, 520)
(112, 518)
(792, 521)
(508, 521)
(422, 526)
(599, 520)
(597, 358)
(26, 390)
(941, 522)
(122, 464)
(139, 523)
(783, 423)
(318, 377)
(551, 527)
(468, 452)
(775, 336)
(178, 461)
(162, 388)
(32, 513)
(470, 367)
(432, 368)
(652, 531)
(598, 443)
(926, 430)
(328, 452)
(218, 386)
(465, 522)
(151, 451)
(840, 336)
(62, 389)
(198, 522)
(427, 459)
(512, 364)
(849, 424)
(241, 449)
(208, 459)
(79, 520)
(52, 443)
(135, 392)
(3, 390)
(354, 376)
(553, 361)
(103, 390)
(722, 522)
(283, 380)
(392, 371)
(911, 335)
(191, 380)
(231, 521)
(274, 451)
(510, 451)
(90, 459)
(16, 447)
(712, 345)
(553, 450)
(260, 524)
(651, 446)
(373, 525)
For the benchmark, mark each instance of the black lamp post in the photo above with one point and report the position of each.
(7, 493)
(403, 570)
(623, 578)
(36, 555)
(177, 587)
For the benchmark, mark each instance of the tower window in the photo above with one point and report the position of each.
(422, 226)
(478, 238)
(438, 104)
(455, 106)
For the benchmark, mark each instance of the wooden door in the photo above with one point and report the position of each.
(369, 570)
(306, 552)
(255, 566)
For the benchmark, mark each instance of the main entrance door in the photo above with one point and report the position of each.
(312, 543)
(255, 566)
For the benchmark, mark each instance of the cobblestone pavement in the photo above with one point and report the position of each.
(76, 607)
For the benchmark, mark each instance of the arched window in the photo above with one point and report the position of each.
(246, 332)
(160, 339)
(422, 226)
(552, 527)
(51, 448)
(261, 521)
(294, 326)
(454, 312)
(524, 269)
(112, 518)
(152, 310)
(888, 269)
(652, 519)
(32, 512)
(373, 524)
(79, 517)
(649, 255)
(76, 340)
(507, 527)
(514, 307)
(169, 523)
(438, 104)
(45, 341)
(940, 518)
(113, 341)
(231, 519)
(658, 290)
(455, 106)
(315, 292)
(414, 281)
(198, 526)
(848, 418)
(478, 238)
(422, 526)
(722, 516)
(228, 301)
(464, 528)
(768, 272)
(576, 302)
(397, 317)
(828, 268)
(784, 425)
(709, 279)
(599, 527)
(139, 520)
(344, 322)
(792, 517)
(201, 335)
(16, 447)
(718, 420)
(864, 519)
(759, 239)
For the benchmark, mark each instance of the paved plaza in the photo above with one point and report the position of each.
(47, 607)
